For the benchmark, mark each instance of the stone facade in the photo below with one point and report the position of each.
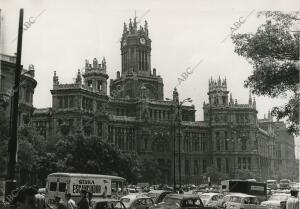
(26, 88)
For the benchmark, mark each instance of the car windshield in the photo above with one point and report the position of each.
(125, 201)
(171, 201)
(250, 200)
(153, 195)
(235, 199)
(204, 197)
(279, 197)
(109, 205)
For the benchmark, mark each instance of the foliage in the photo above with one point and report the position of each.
(273, 52)
(92, 155)
(215, 175)
(245, 174)
(150, 171)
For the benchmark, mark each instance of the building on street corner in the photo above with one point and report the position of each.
(135, 117)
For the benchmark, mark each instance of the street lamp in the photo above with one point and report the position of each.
(178, 105)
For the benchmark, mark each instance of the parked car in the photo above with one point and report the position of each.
(180, 201)
(284, 184)
(221, 202)
(243, 201)
(108, 204)
(210, 199)
(158, 195)
(277, 200)
(137, 201)
(272, 184)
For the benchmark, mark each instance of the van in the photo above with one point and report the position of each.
(102, 186)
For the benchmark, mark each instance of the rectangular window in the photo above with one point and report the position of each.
(196, 169)
(204, 166)
(239, 163)
(227, 165)
(219, 164)
(27, 96)
(218, 146)
(99, 85)
(226, 144)
(89, 83)
(71, 101)
(66, 102)
(2, 82)
(53, 186)
(244, 163)
(249, 163)
(60, 102)
(99, 129)
(187, 167)
(62, 187)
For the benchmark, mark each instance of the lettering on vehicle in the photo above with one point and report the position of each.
(257, 188)
(88, 185)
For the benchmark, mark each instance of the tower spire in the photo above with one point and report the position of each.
(250, 98)
(55, 79)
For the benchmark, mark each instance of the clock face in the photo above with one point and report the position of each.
(142, 40)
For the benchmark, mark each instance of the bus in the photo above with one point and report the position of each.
(257, 189)
(102, 186)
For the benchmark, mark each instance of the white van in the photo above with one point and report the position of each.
(102, 186)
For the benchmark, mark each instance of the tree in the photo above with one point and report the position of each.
(273, 52)
(31, 151)
(82, 154)
(150, 171)
(245, 174)
(215, 175)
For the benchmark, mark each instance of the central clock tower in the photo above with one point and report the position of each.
(136, 49)
(136, 79)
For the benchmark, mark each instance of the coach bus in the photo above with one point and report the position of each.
(101, 186)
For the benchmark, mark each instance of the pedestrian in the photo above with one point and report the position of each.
(84, 202)
(293, 201)
(70, 202)
(90, 197)
(60, 204)
(40, 201)
(24, 198)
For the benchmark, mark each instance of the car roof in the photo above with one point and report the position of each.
(157, 191)
(286, 194)
(183, 196)
(83, 175)
(241, 195)
(210, 193)
(135, 196)
(104, 200)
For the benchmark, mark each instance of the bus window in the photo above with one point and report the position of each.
(114, 186)
(53, 186)
(62, 187)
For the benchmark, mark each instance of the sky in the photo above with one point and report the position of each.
(63, 33)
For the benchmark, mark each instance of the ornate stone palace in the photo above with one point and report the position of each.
(136, 118)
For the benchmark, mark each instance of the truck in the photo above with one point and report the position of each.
(258, 189)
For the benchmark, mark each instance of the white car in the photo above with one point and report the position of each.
(138, 201)
(276, 200)
(210, 199)
(243, 201)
